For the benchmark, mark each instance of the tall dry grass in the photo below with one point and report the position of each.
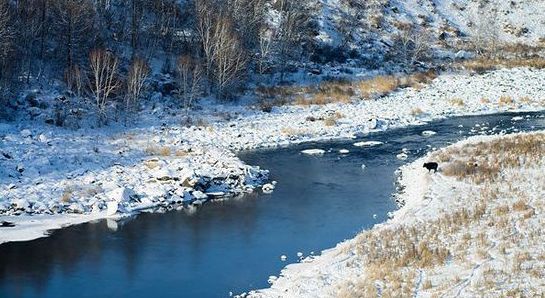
(342, 91)
(468, 236)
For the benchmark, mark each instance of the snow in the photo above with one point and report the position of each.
(70, 176)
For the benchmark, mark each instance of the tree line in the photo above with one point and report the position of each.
(103, 49)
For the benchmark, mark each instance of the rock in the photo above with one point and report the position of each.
(463, 55)
(363, 167)
(199, 195)
(272, 279)
(121, 194)
(25, 133)
(313, 152)
(112, 224)
(283, 258)
(20, 168)
(268, 188)
(76, 208)
(7, 224)
(95, 208)
(216, 194)
(111, 208)
(21, 204)
(315, 71)
(372, 123)
(300, 254)
(42, 138)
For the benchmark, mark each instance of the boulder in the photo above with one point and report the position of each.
(121, 194)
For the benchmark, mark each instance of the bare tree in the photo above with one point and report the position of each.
(73, 77)
(137, 11)
(6, 35)
(74, 21)
(6, 32)
(411, 44)
(205, 26)
(266, 39)
(485, 29)
(104, 81)
(189, 79)
(292, 31)
(229, 57)
(136, 80)
(249, 16)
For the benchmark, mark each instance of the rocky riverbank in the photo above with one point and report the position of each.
(117, 171)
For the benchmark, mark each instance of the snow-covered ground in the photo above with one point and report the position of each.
(112, 171)
(472, 229)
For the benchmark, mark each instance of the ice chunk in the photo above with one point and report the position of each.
(313, 152)
(368, 143)
(428, 133)
(402, 156)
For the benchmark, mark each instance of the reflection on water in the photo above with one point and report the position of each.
(232, 245)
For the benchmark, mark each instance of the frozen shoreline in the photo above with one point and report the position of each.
(424, 198)
(160, 166)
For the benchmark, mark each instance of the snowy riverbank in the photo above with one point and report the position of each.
(110, 172)
(472, 229)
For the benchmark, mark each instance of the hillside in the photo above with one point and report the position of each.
(180, 51)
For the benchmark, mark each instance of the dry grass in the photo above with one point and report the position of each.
(290, 131)
(391, 255)
(158, 150)
(151, 164)
(378, 86)
(339, 91)
(67, 194)
(481, 65)
(525, 100)
(330, 121)
(181, 153)
(458, 102)
(416, 111)
(505, 100)
(485, 160)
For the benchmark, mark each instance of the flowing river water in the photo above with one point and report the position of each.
(235, 245)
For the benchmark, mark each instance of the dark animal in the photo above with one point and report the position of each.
(431, 166)
(7, 224)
